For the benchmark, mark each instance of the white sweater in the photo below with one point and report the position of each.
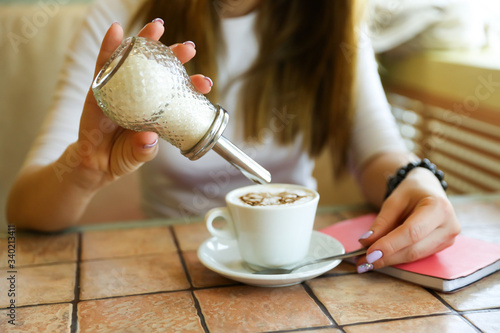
(174, 186)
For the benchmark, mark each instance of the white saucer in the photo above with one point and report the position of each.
(223, 257)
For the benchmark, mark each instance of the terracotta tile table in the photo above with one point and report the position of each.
(146, 277)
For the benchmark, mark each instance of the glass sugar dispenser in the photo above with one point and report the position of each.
(144, 87)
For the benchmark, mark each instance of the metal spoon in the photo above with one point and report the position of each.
(289, 270)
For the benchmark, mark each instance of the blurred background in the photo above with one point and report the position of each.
(439, 62)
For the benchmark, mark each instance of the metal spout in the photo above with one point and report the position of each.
(217, 142)
(251, 169)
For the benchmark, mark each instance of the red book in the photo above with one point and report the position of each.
(465, 262)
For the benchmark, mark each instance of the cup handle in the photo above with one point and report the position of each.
(224, 233)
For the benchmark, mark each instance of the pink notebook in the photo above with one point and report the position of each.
(465, 262)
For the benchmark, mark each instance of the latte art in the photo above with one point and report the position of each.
(255, 218)
(276, 198)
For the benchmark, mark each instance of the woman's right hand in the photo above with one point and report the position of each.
(104, 150)
(54, 196)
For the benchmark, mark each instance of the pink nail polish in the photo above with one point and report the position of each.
(159, 20)
(374, 256)
(209, 81)
(366, 234)
(364, 268)
(188, 42)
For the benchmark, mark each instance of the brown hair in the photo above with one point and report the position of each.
(302, 69)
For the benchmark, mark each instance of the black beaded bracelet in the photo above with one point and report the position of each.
(400, 175)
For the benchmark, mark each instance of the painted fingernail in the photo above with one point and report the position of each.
(366, 235)
(150, 145)
(158, 20)
(210, 82)
(374, 256)
(188, 42)
(365, 268)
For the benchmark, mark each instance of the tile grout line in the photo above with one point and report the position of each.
(199, 312)
(130, 256)
(196, 303)
(321, 306)
(55, 263)
(305, 329)
(38, 304)
(141, 294)
(459, 313)
(495, 308)
(76, 300)
(181, 258)
(433, 293)
(389, 320)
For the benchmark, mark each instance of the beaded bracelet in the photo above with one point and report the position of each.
(400, 175)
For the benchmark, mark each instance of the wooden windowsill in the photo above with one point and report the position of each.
(455, 75)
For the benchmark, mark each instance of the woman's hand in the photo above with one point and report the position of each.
(54, 196)
(415, 221)
(107, 151)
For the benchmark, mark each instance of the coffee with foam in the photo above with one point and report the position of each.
(276, 197)
(272, 223)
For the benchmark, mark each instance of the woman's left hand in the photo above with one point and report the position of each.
(415, 221)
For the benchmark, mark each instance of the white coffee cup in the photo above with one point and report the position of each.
(271, 235)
